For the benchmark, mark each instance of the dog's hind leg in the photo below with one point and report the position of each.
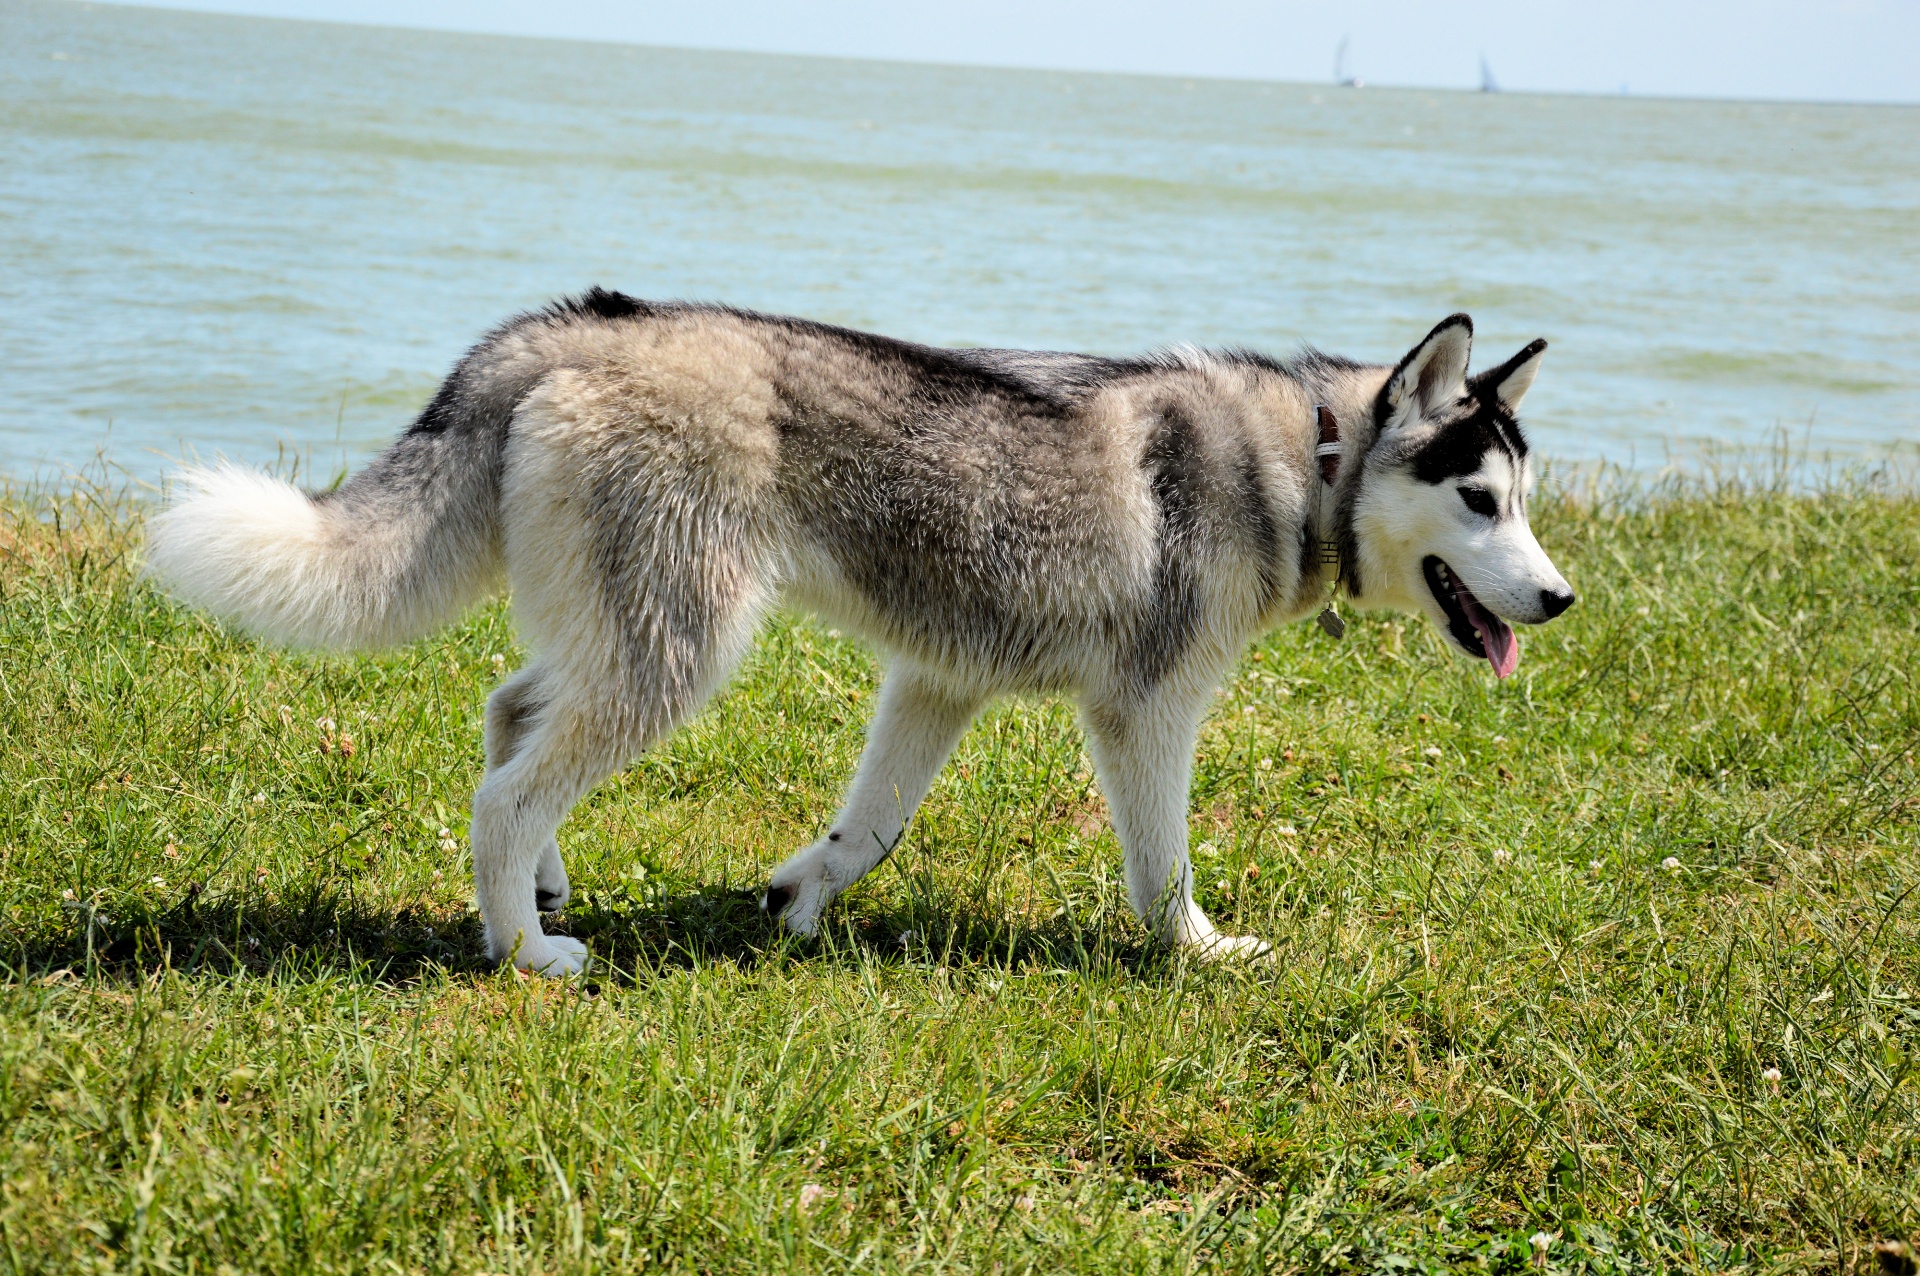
(637, 549)
(569, 746)
(511, 712)
(596, 709)
(1143, 754)
(918, 723)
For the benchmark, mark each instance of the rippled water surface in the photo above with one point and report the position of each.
(238, 235)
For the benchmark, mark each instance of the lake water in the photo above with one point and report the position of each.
(241, 235)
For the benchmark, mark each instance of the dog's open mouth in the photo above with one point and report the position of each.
(1477, 630)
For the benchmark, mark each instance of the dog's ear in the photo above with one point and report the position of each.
(1433, 372)
(1510, 381)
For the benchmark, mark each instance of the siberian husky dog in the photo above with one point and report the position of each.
(649, 479)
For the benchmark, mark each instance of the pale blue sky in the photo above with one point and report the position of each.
(1848, 50)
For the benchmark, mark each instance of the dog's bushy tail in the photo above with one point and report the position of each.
(402, 547)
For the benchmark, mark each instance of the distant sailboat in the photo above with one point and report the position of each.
(1487, 83)
(1340, 75)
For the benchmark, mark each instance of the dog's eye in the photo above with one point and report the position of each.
(1480, 501)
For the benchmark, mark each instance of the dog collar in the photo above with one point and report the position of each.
(1327, 454)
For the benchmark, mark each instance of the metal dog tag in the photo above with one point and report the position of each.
(1330, 621)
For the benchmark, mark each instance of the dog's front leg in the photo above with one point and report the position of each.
(918, 723)
(1143, 754)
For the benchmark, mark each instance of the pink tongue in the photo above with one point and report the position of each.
(1503, 648)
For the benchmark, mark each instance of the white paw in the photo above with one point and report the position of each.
(555, 956)
(551, 890)
(1227, 948)
(800, 891)
(796, 904)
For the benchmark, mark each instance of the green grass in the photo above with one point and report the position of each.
(243, 1023)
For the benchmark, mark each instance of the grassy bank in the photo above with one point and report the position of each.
(1623, 953)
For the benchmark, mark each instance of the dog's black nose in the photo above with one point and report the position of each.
(1554, 603)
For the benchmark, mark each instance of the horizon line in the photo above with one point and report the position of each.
(1017, 67)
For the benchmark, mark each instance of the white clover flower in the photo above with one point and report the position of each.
(1502, 855)
(1594, 865)
(1541, 1243)
(445, 833)
(1247, 710)
(1671, 864)
(499, 662)
(1772, 1077)
(68, 895)
(1025, 1204)
(156, 881)
(1287, 830)
(810, 1196)
(1432, 751)
(1266, 764)
(259, 799)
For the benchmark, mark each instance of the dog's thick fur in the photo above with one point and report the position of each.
(651, 478)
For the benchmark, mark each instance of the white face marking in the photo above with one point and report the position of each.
(1476, 525)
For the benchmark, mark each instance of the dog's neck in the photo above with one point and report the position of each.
(1344, 433)
(1328, 454)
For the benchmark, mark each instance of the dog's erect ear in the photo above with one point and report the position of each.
(1509, 382)
(1432, 373)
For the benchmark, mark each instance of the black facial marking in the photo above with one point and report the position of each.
(1456, 449)
(778, 897)
(833, 837)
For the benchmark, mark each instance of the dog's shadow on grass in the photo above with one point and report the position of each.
(329, 933)
(692, 928)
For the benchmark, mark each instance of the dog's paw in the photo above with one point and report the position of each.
(551, 891)
(776, 900)
(780, 903)
(555, 956)
(803, 886)
(1228, 948)
(796, 904)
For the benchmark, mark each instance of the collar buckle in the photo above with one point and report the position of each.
(1328, 453)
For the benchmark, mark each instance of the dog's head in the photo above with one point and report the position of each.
(1439, 515)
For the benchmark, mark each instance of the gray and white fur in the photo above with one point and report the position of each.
(650, 479)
